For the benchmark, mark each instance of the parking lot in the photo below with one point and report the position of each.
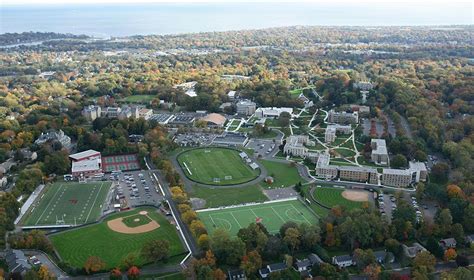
(194, 139)
(388, 204)
(264, 147)
(136, 188)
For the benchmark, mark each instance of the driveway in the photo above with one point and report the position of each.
(44, 259)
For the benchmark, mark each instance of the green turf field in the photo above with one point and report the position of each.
(273, 215)
(216, 166)
(75, 203)
(216, 197)
(76, 245)
(284, 174)
(331, 197)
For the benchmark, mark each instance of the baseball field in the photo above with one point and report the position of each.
(117, 237)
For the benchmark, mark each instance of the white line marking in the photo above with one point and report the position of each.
(236, 220)
(47, 206)
(92, 207)
(277, 214)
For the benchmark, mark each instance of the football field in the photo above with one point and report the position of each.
(68, 203)
(271, 214)
(216, 166)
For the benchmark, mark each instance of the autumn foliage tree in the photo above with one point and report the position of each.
(251, 262)
(450, 254)
(133, 273)
(115, 274)
(94, 264)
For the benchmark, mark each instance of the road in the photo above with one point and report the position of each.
(189, 239)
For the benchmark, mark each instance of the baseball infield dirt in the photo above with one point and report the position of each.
(118, 226)
(360, 196)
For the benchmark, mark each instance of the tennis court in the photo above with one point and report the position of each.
(271, 214)
(120, 162)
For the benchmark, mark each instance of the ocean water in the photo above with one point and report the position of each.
(104, 20)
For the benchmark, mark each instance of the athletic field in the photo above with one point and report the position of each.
(68, 203)
(216, 166)
(273, 215)
(331, 196)
(76, 245)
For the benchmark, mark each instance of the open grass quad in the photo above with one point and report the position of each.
(76, 245)
(68, 203)
(283, 173)
(331, 196)
(216, 166)
(273, 215)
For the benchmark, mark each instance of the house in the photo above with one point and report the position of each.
(231, 94)
(17, 262)
(54, 136)
(384, 257)
(315, 259)
(448, 243)
(470, 239)
(302, 265)
(274, 267)
(236, 274)
(342, 261)
(413, 250)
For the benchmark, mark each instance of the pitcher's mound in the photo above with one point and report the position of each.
(354, 195)
(143, 212)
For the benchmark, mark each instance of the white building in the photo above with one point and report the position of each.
(91, 112)
(330, 134)
(379, 153)
(342, 261)
(420, 169)
(396, 177)
(188, 88)
(295, 145)
(272, 112)
(145, 113)
(343, 117)
(246, 107)
(231, 94)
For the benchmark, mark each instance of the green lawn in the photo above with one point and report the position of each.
(164, 276)
(76, 245)
(273, 215)
(331, 197)
(284, 174)
(321, 211)
(216, 197)
(216, 166)
(345, 152)
(75, 203)
(138, 98)
(298, 91)
(341, 162)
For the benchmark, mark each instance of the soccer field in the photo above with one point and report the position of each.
(68, 203)
(76, 245)
(216, 166)
(272, 214)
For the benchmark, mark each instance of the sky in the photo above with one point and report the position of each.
(377, 2)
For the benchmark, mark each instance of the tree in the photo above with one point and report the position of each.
(440, 171)
(373, 271)
(292, 238)
(115, 274)
(203, 241)
(363, 258)
(434, 248)
(424, 261)
(462, 260)
(44, 273)
(156, 250)
(399, 161)
(129, 260)
(455, 191)
(94, 264)
(251, 262)
(284, 119)
(133, 273)
(444, 220)
(218, 274)
(450, 254)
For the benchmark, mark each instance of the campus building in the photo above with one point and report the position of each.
(231, 139)
(91, 112)
(343, 117)
(415, 173)
(379, 153)
(345, 173)
(145, 113)
(54, 136)
(363, 86)
(214, 120)
(86, 164)
(295, 145)
(272, 112)
(232, 95)
(246, 107)
(331, 130)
